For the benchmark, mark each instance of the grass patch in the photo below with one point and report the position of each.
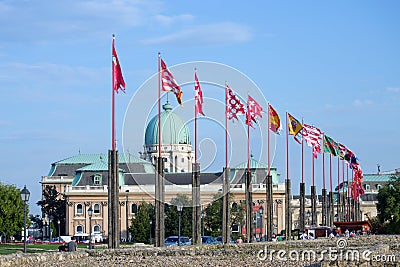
(31, 248)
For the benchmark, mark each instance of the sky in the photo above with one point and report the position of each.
(333, 63)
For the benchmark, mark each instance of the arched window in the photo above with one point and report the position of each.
(366, 187)
(79, 229)
(96, 229)
(79, 208)
(97, 180)
(96, 208)
(378, 186)
(133, 208)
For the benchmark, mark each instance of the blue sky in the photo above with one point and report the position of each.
(334, 63)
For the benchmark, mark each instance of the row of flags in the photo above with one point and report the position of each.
(314, 137)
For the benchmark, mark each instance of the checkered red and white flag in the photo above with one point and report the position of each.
(253, 111)
(198, 96)
(233, 104)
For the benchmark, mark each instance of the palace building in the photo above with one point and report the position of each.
(83, 180)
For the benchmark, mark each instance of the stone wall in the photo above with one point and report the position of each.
(218, 255)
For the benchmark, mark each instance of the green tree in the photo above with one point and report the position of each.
(389, 205)
(140, 226)
(171, 220)
(11, 211)
(54, 205)
(213, 215)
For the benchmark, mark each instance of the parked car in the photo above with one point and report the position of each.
(173, 241)
(208, 240)
(219, 240)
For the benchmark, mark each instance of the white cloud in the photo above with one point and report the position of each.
(169, 20)
(393, 89)
(217, 33)
(362, 103)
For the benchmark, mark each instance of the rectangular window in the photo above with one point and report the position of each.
(97, 180)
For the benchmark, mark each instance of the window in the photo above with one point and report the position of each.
(97, 181)
(79, 229)
(378, 186)
(96, 208)
(133, 208)
(79, 208)
(366, 186)
(183, 160)
(96, 229)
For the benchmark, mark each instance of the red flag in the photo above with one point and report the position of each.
(253, 111)
(234, 106)
(274, 120)
(169, 84)
(198, 96)
(312, 135)
(118, 80)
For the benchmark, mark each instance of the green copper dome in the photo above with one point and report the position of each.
(173, 129)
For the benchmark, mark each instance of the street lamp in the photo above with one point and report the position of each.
(151, 222)
(25, 198)
(59, 233)
(90, 213)
(179, 207)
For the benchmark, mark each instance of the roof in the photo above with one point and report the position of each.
(385, 177)
(93, 158)
(174, 130)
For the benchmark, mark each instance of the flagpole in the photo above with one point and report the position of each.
(226, 125)
(312, 171)
(159, 106)
(323, 161)
(269, 150)
(302, 155)
(113, 100)
(248, 136)
(287, 148)
(195, 123)
(338, 194)
(330, 172)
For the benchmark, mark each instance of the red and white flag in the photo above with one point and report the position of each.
(118, 80)
(169, 84)
(312, 135)
(233, 104)
(253, 111)
(198, 98)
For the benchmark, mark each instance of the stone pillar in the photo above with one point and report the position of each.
(269, 208)
(313, 205)
(113, 200)
(324, 207)
(302, 206)
(196, 210)
(249, 207)
(226, 208)
(159, 203)
(288, 212)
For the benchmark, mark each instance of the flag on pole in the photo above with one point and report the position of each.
(253, 111)
(341, 151)
(234, 105)
(169, 84)
(294, 127)
(118, 80)
(274, 120)
(198, 96)
(330, 146)
(312, 135)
